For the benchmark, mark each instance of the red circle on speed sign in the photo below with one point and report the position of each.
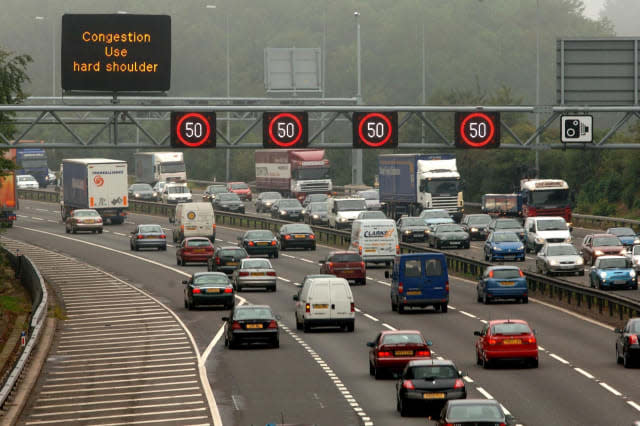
(199, 117)
(388, 132)
(277, 141)
(481, 143)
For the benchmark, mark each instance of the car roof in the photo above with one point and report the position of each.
(387, 332)
(423, 362)
(558, 244)
(472, 402)
(196, 238)
(148, 224)
(604, 235)
(230, 248)
(237, 307)
(504, 321)
(612, 256)
(502, 267)
(199, 274)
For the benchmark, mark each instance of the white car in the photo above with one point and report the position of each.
(26, 182)
(174, 193)
(634, 256)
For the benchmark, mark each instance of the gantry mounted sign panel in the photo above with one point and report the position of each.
(293, 69)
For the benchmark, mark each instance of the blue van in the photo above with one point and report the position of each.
(419, 280)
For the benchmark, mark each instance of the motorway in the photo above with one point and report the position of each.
(322, 377)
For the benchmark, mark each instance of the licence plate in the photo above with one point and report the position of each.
(191, 228)
(198, 250)
(370, 250)
(257, 274)
(231, 264)
(512, 342)
(348, 271)
(321, 306)
(213, 290)
(301, 236)
(433, 395)
(403, 353)
(254, 325)
(508, 283)
(89, 221)
(619, 282)
(262, 243)
(414, 293)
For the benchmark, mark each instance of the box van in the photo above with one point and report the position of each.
(193, 220)
(539, 230)
(419, 280)
(376, 240)
(343, 211)
(324, 300)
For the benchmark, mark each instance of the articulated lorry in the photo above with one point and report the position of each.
(95, 183)
(8, 199)
(153, 167)
(30, 161)
(293, 172)
(410, 183)
(546, 197)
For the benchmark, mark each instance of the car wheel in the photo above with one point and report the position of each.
(485, 299)
(626, 360)
(178, 261)
(232, 344)
(351, 327)
(186, 305)
(394, 307)
(371, 369)
(363, 281)
(275, 255)
(478, 359)
(533, 363)
(298, 323)
(283, 246)
(99, 231)
(74, 230)
(486, 363)
(478, 297)
(66, 230)
(305, 327)
(404, 409)
(378, 373)
(272, 289)
(444, 308)
(190, 305)
(400, 308)
(618, 357)
(438, 245)
(163, 248)
(276, 343)
(525, 299)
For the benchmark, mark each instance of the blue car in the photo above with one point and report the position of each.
(503, 282)
(611, 272)
(627, 236)
(503, 245)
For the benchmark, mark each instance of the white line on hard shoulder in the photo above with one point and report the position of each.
(284, 279)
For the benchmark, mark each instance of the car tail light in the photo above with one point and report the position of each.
(493, 341)
(633, 339)
(273, 324)
(312, 236)
(182, 228)
(99, 220)
(236, 325)
(273, 243)
(360, 250)
(423, 353)
(397, 249)
(217, 260)
(139, 237)
(243, 274)
(251, 243)
(196, 291)
(400, 288)
(330, 266)
(531, 339)
(362, 266)
(228, 290)
(353, 307)
(287, 237)
(408, 384)
(307, 307)
(521, 274)
(271, 273)
(458, 384)
(384, 354)
(213, 226)
(490, 274)
(446, 287)
(163, 237)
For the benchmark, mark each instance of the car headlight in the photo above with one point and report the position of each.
(580, 261)
(474, 229)
(268, 204)
(315, 216)
(539, 240)
(283, 212)
(520, 247)
(342, 219)
(598, 253)
(623, 251)
(603, 275)
(407, 232)
(569, 239)
(632, 273)
(426, 231)
(636, 241)
(496, 248)
(136, 194)
(553, 262)
(155, 194)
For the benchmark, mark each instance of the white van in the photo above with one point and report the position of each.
(176, 193)
(343, 211)
(193, 220)
(376, 240)
(539, 230)
(324, 300)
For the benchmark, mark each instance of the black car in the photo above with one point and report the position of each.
(427, 384)
(507, 225)
(316, 213)
(259, 241)
(412, 229)
(265, 201)
(141, 191)
(477, 225)
(148, 236)
(208, 288)
(448, 235)
(226, 259)
(251, 324)
(294, 235)
(476, 412)
(314, 198)
(229, 202)
(287, 209)
(210, 192)
(627, 345)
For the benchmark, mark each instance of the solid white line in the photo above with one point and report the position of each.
(114, 401)
(120, 233)
(468, 314)
(179, 419)
(541, 348)
(384, 324)
(584, 373)
(98, 376)
(151, 413)
(484, 393)
(119, 381)
(120, 363)
(371, 318)
(147, 385)
(357, 310)
(507, 412)
(137, 367)
(106, 395)
(217, 337)
(634, 405)
(562, 360)
(610, 389)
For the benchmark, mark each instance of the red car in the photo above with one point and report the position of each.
(345, 264)
(596, 245)
(194, 249)
(240, 188)
(502, 340)
(392, 351)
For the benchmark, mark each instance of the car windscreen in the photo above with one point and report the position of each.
(478, 413)
(564, 250)
(636, 250)
(510, 328)
(449, 228)
(345, 257)
(479, 220)
(502, 274)
(369, 195)
(613, 263)
(239, 186)
(141, 187)
(505, 237)
(151, 229)
(252, 313)
(228, 196)
(85, 213)
(289, 204)
(259, 235)
(198, 243)
(233, 252)
(317, 197)
(350, 205)
(412, 221)
(177, 189)
(606, 241)
(552, 225)
(210, 279)
(508, 224)
(303, 229)
(428, 214)
(270, 196)
(256, 264)
(634, 327)
(622, 232)
(432, 372)
(397, 339)
(318, 207)
(26, 178)
(372, 215)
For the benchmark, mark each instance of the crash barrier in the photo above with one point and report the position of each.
(605, 306)
(32, 281)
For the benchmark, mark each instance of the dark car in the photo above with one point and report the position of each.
(412, 229)
(229, 202)
(449, 235)
(141, 191)
(226, 259)
(194, 249)
(626, 235)
(251, 324)
(314, 198)
(296, 235)
(265, 200)
(474, 412)
(287, 209)
(211, 191)
(345, 264)
(512, 225)
(259, 241)
(502, 282)
(316, 213)
(391, 351)
(596, 245)
(208, 288)
(428, 384)
(148, 236)
(627, 345)
(477, 225)
(503, 245)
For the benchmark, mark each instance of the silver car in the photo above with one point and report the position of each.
(559, 258)
(254, 273)
(634, 256)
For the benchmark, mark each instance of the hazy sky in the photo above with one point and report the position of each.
(592, 7)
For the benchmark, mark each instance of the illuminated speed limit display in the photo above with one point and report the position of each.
(285, 130)
(477, 130)
(375, 129)
(193, 129)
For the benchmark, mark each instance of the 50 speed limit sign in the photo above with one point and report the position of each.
(193, 129)
(375, 130)
(285, 130)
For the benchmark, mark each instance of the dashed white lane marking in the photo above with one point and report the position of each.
(484, 393)
(383, 283)
(384, 324)
(634, 405)
(562, 360)
(584, 373)
(610, 389)
(468, 314)
(541, 348)
(37, 218)
(357, 310)
(284, 279)
(119, 233)
(484, 321)
(52, 221)
(453, 307)
(467, 379)
(371, 317)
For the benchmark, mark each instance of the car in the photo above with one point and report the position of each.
(371, 198)
(240, 188)
(626, 235)
(503, 245)
(473, 412)
(435, 221)
(229, 202)
(477, 225)
(596, 245)
(174, 193)
(226, 259)
(26, 182)
(51, 177)
(287, 209)
(374, 214)
(412, 228)
(449, 234)
(502, 282)
(251, 324)
(419, 280)
(314, 198)
(83, 220)
(435, 214)
(211, 191)
(194, 249)
(429, 384)
(634, 257)
(208, 288)
(391, 351)
(296, 235)
(148, 236)
(627, 345)
(259, 241)
(265, 200)
(345, 264)
(506, 224)
(559, 259)
(141, 191)
(610, 272)
(506, 340)
(158, 189)
(316, 213)
(254, 272)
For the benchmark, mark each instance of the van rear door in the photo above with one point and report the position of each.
(414, 286)
(340, 300)
(436, 278)
(320, 300)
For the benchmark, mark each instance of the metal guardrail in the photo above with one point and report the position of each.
(600, 304)
(32, 280)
